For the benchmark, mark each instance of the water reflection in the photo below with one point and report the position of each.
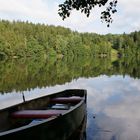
(113, 91)
(113, 110)
(23, 75)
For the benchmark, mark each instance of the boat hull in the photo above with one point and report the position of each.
(59, 128)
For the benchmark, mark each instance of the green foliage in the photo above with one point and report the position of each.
(27, 74)
(127, 44)
(24, 39)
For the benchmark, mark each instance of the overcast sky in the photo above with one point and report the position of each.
(46, 11)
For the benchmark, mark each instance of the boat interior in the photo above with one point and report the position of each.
(31, 112)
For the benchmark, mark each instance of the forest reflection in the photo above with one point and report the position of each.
(28, 74)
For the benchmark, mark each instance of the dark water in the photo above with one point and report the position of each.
(113, 90)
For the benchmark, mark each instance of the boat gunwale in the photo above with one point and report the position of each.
(45, 96)
(45, 120)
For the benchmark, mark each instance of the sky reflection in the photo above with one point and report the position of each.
(113, 105)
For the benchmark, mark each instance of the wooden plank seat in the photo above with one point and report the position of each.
(42, 114)
(66, 100)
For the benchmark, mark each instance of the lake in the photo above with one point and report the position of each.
(113, 91)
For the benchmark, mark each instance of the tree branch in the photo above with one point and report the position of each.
(85, 6)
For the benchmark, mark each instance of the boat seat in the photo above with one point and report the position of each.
(60, 106)
(42, 114)
(66, 100)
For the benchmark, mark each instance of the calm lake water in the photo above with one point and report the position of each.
(113, 89)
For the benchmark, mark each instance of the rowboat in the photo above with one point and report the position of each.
(52, 117)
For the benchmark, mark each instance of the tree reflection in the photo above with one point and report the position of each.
(28, 74)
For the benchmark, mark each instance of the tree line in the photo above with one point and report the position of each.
(25, 39)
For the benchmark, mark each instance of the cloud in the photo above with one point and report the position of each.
(32, 10)
(46, 11)
(127, 18)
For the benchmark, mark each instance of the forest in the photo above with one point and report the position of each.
(25, 39)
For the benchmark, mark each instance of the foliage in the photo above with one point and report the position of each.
(20, 74)
(85, 6)
(24, 39)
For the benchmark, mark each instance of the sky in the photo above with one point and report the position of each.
(46, 12)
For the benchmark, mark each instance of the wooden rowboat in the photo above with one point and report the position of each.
(52, 117)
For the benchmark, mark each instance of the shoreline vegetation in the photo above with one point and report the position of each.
(48, 55)
(26, 74)
(24, 40)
